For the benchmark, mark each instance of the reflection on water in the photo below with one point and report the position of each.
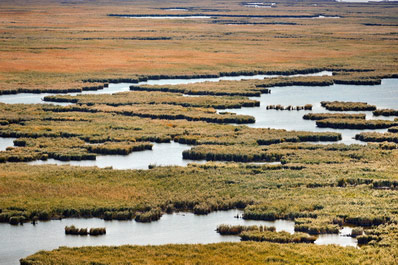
(383, 96)
(163, 154)
(179, 228)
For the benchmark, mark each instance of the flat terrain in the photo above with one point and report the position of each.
(56, 46)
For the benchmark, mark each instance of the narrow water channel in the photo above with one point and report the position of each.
(30, 98)
(162, 154)
(383, 96)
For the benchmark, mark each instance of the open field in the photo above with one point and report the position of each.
(49, 48)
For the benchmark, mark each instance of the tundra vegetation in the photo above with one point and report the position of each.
(319, 187)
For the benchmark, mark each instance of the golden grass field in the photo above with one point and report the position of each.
(55, 44)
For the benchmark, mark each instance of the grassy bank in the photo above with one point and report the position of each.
(222, 253)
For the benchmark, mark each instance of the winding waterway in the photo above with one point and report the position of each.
(383, 96)
(178, 228)
(162, 154)
(31, 98)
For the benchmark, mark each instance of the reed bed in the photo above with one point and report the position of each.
(317, 230)
(377, 137)
(280, 107)
(324, 116)
(120, 148)
(385, 112)
(355, 124)
(347, 106)
(155, 98)
(72, 230)
(97, 231)
(277, 237)
(219, 253)
(238, 229)
(393, 129)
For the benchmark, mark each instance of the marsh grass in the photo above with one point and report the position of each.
(347, 106)
(238, 229)
(276, 237)
(355, 123)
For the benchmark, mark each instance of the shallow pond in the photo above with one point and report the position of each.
(163, 154)
(6, 142)
(383, 96)
(30, 98)
(343, 238)
(178, 228)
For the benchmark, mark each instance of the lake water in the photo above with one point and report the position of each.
(383, 96)
(30, 98)
(162, 154)
(178, 228)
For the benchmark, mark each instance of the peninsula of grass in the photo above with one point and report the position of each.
(355, 124)
(136, 97)
(385, 112)
(324, 116)
(276, 237)
(347, 106)
(377, 137)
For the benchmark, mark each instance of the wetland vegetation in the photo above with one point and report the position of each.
(244, 54)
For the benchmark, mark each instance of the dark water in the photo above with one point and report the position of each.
(178, 228)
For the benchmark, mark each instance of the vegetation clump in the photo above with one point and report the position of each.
(238, 229)
(120, 148)
(315, 226)
(355, 124)
(72, 230)
(277, 237)
(97, 231)
(377, 137)
(156, 98)
(385, 112)
(347, 106)
(148, 216)
(324, 116)
(290, 107)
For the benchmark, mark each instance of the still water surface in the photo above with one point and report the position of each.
(383, 96)
(30, 98)
(178, 228)
(162, 154)
(6, 142)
